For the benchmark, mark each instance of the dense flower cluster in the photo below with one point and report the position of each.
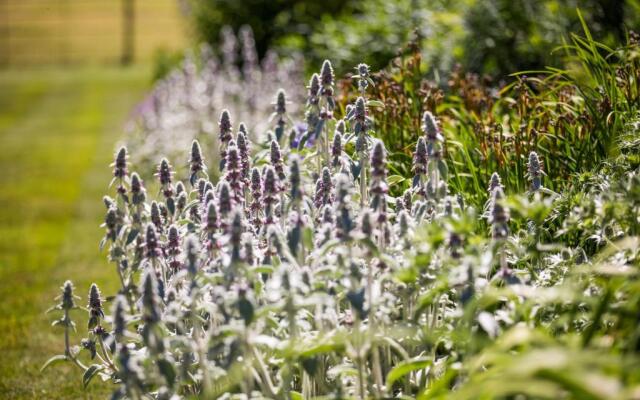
(185, 104)
(198, 265)
(297, 274)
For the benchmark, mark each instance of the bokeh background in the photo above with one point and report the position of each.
(72, 71)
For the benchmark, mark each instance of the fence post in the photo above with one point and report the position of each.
(5, 33)
(128, 31)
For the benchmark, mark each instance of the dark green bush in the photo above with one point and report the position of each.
(493, 36)
(516, 35)
(271, 20)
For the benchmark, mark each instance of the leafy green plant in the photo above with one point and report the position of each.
(570, 117)
(319, 264)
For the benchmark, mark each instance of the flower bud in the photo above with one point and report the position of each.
(208, 197)
(360, 109)
(344, 222)
(313, 90)
(181, 203)
(180, 188)
(155, 215)
(224, 124)
(111, 222)
(336, 149)
(68, 299)
(235, 237)
(498, 215)
(494, 182)
(281, 102)
(152, 246)
(363, 70)
(276, 159)
(119, 317)
(138, 192)
(150, 298)
(366, 225)
(224, 199)
(120, 163)
(192, 252)
(407, 200)
(378, 160)
(326, 74)
(327, 215)
(95, 307)
(242, 128)
(196, 162)
(211, 218)
(173, 247)
(164, 172)
(430, 127)
(420, 157)
(295, 179)
(243, 148)
(403, 223)
(534, 171)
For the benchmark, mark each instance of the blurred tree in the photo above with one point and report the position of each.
(496, 37)
(504, 36)
(270, 19)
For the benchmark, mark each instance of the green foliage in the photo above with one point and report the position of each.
(570, 117)
(270, 20)
(505, 35)
(164, 61)
(382, 28)
(495, 36)
(308, 270)
(53, 123)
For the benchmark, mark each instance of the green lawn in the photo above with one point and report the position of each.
(58, 129)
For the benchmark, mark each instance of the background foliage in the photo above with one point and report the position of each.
(494, 36)
(385, 279)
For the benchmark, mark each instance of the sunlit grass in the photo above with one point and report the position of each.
(57, 128)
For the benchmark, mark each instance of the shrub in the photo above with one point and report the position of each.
(270, 20)
(570, 117)
(296, 274)
(495, 37)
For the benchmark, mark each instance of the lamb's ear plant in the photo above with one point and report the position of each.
(316, 267)
(67, 303)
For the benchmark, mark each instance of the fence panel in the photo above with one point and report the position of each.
(84, 31)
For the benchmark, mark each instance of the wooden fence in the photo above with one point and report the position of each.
(86, 31)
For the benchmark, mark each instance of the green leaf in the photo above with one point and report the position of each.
(342, 370)
(133, 233)
(321, 348)
(375, 103)
(263, 269)
(90, 373)
(444, 170)
(53, 360)
(296, 395)
(307, 238)
(167, 370)
(393, 179)
(489, 324)
(406, 367)
(406, 275)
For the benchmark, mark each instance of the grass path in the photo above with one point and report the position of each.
(57, 132)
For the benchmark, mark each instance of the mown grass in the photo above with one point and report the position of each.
(57, 128)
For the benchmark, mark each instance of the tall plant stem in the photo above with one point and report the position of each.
(377, 371)
(363, 179)
(67, 347)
